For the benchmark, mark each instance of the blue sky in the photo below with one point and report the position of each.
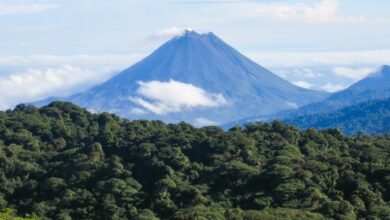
(58, 47)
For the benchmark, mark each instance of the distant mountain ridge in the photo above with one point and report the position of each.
(374, 86)
(376, 81)
(194, 78)
(344, 109)
(372, 117)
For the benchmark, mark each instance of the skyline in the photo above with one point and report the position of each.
(63, 47)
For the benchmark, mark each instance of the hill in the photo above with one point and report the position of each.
(370, 117)
(194, 78)
(63, 162)
(374, 87)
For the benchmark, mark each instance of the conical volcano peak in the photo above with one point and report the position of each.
(191, 34)
(186, 78)
(188, 32)
(208, 41)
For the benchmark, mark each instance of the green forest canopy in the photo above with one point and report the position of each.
(63, 162)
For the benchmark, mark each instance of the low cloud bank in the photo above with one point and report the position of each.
(36, 84)
(173, 96)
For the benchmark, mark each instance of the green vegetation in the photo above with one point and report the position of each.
(62, 162)
(9, 214)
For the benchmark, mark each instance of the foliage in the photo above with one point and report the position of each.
(9, 214)
(62, 162)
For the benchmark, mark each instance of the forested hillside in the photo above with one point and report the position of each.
(62, 162)
(369, 117)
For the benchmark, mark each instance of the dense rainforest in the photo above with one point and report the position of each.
(63, 162)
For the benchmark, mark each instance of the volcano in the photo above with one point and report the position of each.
(196, 78)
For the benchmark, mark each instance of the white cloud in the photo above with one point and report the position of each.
(332, 87)
(308, 73)
(173, 96)
(169, 32)
(53, 75)
(201, 122)
(35, 84)
(327, 11)
(353, 73)
(303, 84)
(323, 11)
(296, 73)
(8, 9)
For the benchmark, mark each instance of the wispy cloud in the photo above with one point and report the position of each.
(173, 96)
(168, 33)
(303, 84)
(333, 87)
(12, 9)
(323, 11)
(299, 73)
(353, 73)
